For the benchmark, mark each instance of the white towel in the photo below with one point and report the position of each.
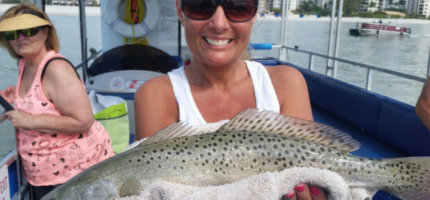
(270, 185)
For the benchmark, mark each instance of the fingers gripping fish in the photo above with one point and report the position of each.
(251, 143)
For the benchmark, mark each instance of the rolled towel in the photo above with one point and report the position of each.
(269, 185)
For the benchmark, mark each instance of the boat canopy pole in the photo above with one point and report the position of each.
(38, 3)
(330, 38)
(179, 39)
(42, 5)
(283, 50)
(428, 66)
(331, 68)
(336, 42)
(83, 27)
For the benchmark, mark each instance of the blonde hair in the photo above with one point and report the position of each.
(51, 42)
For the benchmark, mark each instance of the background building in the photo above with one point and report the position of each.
(268, 5)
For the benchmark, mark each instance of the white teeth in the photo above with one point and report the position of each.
(217, 42)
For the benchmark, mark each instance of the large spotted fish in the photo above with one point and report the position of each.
(251, 143)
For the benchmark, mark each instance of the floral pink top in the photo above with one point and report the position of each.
(53, 158)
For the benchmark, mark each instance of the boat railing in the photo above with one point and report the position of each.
(370, 69)
(331, 69)
(84, 64)
(11, 181)
(94, 53)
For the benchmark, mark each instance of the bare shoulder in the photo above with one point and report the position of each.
(285, 75)
(158, 87)
(155, 106)
(292, 91)
(59, 78)
(60, 69)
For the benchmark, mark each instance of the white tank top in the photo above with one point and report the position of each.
(265, 95)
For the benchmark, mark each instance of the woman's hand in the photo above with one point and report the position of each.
(8, 94)
(3, 116)
(305, 192)
(20, 119)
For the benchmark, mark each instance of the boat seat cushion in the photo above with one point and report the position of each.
(349, 102)
(133, 57)
(400, 126)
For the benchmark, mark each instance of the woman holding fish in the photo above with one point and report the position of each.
(57, 137)
(218, 84)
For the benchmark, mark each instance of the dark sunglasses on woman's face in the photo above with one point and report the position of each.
(13, 35)
(235, 10)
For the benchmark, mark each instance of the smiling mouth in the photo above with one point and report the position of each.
(217, 42)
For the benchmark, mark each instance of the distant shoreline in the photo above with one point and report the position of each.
(95, 11)
(295, 17)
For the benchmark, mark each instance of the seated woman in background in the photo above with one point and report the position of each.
(218, 84)
(57, 136)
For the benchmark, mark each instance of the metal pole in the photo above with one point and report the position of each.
(83, 27)
(336, 44)
(42, 6)
(333, 14)
(428, 66)
(283, 50)
(179, 39)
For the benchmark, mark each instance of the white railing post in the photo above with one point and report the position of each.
(311, 62)
(336, 42)
(330, 38)
(369, 80)
(283, 50)
(428, 66)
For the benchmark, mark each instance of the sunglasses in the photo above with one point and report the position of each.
(235, 10)
(13, 35)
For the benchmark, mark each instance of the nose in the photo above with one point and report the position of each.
(219, 20)
(21, 35)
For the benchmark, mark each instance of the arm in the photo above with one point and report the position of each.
(423, 104)
(292, 91)
(66, 91)
(154, 107)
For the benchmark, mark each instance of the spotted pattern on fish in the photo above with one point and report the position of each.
(230, 154)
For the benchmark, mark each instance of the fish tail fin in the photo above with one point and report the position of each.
(411, 178)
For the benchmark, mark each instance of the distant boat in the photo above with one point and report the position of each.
(377, 28)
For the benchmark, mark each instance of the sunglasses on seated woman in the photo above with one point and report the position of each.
(235, 10)
(13, 35)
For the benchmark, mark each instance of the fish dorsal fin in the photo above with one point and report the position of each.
(270, 122)
(181, 129)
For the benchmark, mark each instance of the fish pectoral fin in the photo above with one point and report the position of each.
(132, 186)
(263, 121)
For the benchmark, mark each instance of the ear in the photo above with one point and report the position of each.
(179, 12)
